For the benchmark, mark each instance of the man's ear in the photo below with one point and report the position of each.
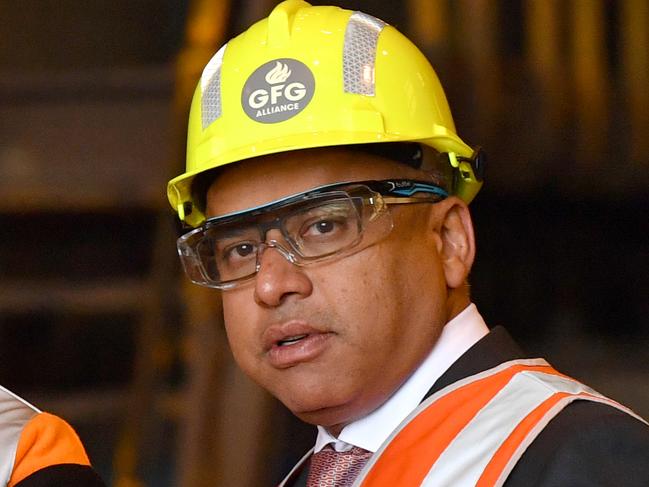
(456, 244)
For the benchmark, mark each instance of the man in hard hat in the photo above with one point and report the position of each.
(329, 193)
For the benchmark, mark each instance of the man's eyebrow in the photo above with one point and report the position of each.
(234, 230)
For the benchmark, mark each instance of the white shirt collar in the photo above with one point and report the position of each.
(369, 432)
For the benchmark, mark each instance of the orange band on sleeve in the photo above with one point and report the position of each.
(46, 440)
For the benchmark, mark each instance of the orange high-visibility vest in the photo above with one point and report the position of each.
(473, 432)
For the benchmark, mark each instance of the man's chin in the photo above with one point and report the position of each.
(333, 421)
(331, 415)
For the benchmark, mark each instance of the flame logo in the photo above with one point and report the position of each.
(278, 74)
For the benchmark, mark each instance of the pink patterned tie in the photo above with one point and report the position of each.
(330, 468)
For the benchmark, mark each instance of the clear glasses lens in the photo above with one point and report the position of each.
(229, 255)
(324, 229)
(220, 255)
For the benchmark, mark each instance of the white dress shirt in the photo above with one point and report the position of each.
(369, 432)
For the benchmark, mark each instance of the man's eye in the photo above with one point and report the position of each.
(243, 250)
(320, 228)
(239, 251)
(324, 226)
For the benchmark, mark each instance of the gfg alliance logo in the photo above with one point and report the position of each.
(277, 91)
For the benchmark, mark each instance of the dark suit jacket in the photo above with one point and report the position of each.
(586, 444)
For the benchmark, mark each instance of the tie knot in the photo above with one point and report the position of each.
(330, 468)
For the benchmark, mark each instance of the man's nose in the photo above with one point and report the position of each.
(278, 278)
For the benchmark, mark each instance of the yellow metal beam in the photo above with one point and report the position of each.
(634, 30)
(591, 79)
(429, 21)
(545, 58)
(206, 29)
(477, 30)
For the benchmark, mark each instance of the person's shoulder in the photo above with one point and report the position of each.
(49, 453)
(587, 443)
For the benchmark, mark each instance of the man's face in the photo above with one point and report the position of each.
(366, 321)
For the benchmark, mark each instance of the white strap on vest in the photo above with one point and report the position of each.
(15, 413)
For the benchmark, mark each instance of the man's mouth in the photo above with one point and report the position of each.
(291, 340)
(288, 333)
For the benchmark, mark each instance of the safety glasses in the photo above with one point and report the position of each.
(324, 223)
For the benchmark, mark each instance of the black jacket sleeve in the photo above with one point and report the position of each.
(587, 444)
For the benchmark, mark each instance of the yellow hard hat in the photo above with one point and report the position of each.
(313, 77)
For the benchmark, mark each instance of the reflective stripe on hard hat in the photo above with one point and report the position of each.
(211, 89)
(473, 432)
(359, 53)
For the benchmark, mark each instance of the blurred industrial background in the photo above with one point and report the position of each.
(96, 321)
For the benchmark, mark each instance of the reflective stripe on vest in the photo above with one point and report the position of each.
(473, 432)
(15, 413)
